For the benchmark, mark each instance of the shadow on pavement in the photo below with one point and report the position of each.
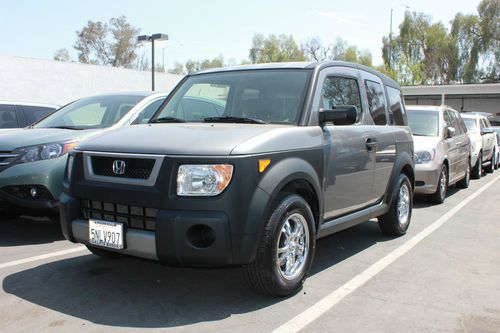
(135, 293)
(29, 231)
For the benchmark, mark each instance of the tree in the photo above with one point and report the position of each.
(178, 69)
(195, 66)
(274, 48)
(112, 44)
(62, 55)
(427, 53)
(339, 50)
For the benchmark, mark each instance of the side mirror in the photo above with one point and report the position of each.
(450, 132)
(340, 115)
(487, 130)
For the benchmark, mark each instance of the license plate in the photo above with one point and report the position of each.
(106, 234)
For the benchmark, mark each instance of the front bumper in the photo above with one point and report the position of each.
(47, 174)
(426, 178)
(171, 242)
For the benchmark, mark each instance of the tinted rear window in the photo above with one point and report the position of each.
(34, 113)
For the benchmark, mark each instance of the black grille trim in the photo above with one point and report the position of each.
(135, 168)
(134, 217)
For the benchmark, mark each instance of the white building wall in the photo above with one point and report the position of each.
(55, 82)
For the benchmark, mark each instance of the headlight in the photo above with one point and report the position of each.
(43, 152)
(424, 156)
(203, 179)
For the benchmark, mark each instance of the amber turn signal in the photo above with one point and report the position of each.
(263, 164)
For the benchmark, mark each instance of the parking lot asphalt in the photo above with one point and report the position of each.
(443, 275)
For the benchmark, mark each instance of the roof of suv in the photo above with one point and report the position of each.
(302, 65)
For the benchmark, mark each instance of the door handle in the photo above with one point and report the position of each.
(371, 143)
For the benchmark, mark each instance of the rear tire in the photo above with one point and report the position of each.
(286, 249)
(464, 182)
(440, 194)
(104, 253)
(397, 220)
(478, 168)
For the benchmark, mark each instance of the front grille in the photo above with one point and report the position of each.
(135, 168)
(134, 217)
(6, 158)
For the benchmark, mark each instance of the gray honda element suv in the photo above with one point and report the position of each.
(273, 157)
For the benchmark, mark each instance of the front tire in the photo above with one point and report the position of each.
(491, 167)
(397, 220)
(478, 168)
(440, 194)
(286, 249)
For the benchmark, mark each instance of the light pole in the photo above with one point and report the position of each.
(390, 33)
(152, 38)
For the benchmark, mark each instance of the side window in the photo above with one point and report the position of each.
(396, 106)
(8, 118)
(376, 102)
(339, 90)
(448, 122)
(148, 112)
(455, 122)
(461, 123)
(35, 113)
(481, 124)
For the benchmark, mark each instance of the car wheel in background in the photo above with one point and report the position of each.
(491, 166)
(464, 182)
(440, 194)
(478, 168)
(286, 249)
(396, 221)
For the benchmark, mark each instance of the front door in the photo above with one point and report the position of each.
(349, 165)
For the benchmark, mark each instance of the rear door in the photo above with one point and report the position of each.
(462, 142)
(349, 165)
(380, 137)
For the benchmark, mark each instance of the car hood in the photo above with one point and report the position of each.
(25, 137)
(204, 139)
(425, 142)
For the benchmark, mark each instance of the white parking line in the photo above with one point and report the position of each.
(316, 310)
(41, 257)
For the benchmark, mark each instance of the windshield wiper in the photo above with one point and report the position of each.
(167, 120)
(233, 119)
(67, 127)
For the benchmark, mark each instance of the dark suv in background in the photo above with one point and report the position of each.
(18, 115)
(300, 151)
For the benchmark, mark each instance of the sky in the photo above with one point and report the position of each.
(207, 29)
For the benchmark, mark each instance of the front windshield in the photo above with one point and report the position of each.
(90, 113)
(270, 96)
(471, 124)
(423, 123)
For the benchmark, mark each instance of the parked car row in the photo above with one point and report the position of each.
(243, 166)
(449, 146)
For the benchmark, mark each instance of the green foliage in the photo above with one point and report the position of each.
(112, 43)
(274, 48)
(427, 53)
(62, 55)
(314, 50)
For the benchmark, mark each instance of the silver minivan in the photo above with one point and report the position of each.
(442, 150)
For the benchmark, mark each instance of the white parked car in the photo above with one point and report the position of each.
(496, 129)
(483, 141)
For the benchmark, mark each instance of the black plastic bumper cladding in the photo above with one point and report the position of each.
(235, 216)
